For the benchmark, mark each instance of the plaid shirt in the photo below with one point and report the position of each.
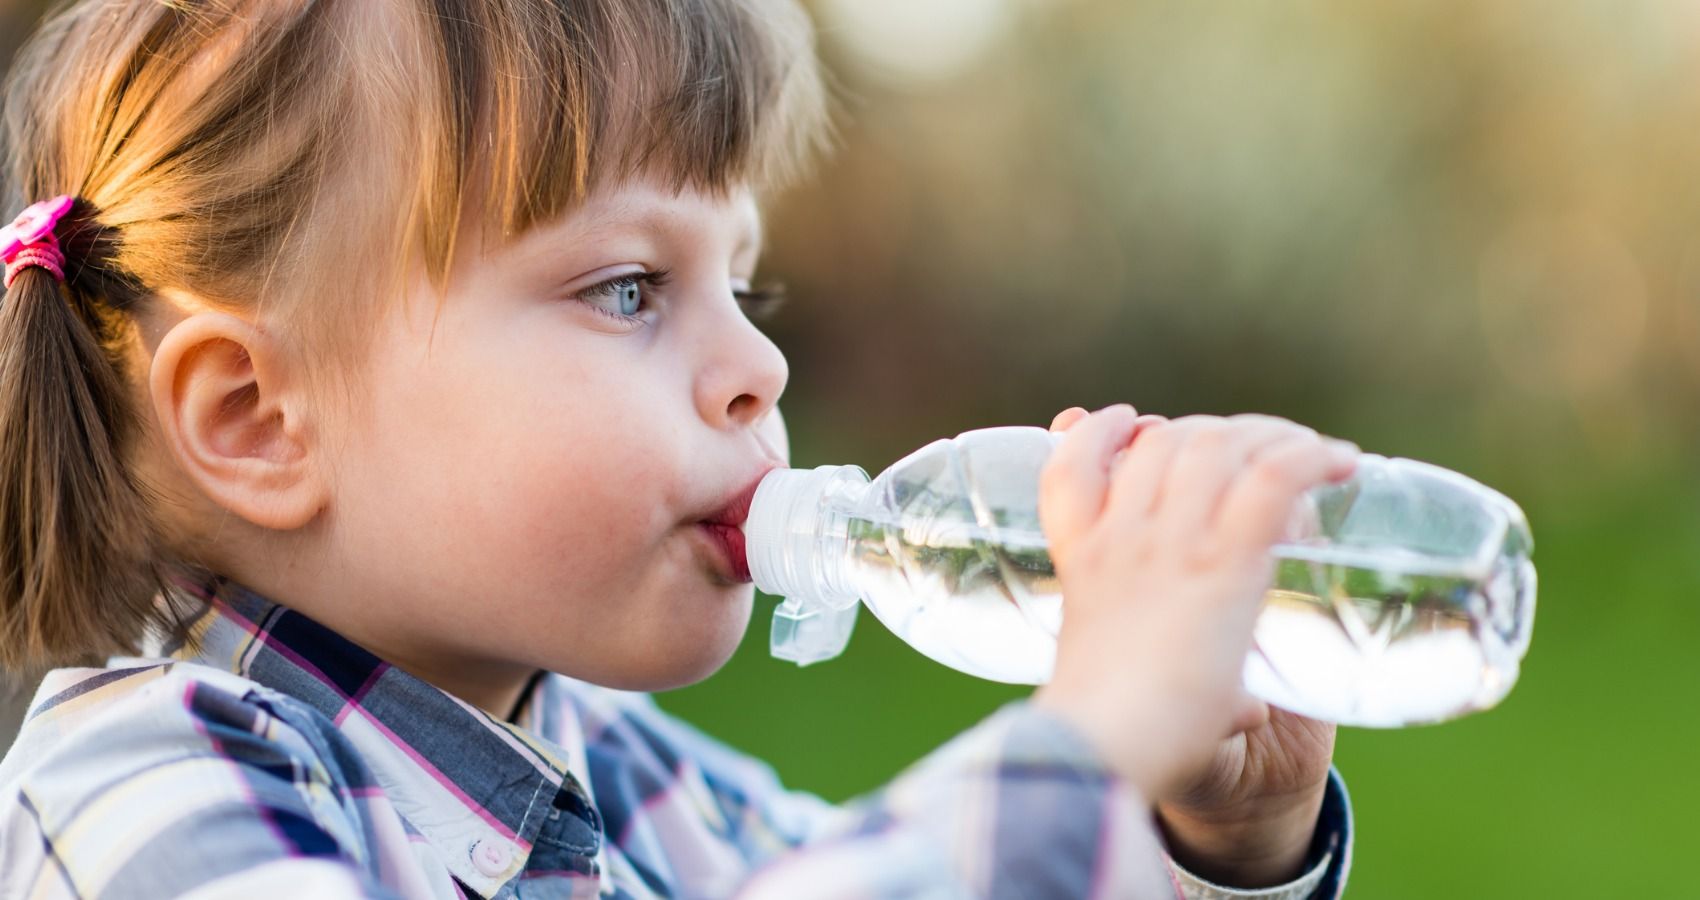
(282, 760)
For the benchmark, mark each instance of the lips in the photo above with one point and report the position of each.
(724, 530)
(737, 508)
(731, 559)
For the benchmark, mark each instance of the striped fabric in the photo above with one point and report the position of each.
(282, 760)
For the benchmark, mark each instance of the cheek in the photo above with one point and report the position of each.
(695, 644)
(571, 471)
(535, 459)
(589, 515)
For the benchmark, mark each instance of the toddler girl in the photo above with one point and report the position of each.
(379, 404)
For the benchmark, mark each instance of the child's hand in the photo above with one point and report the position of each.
(1160, 532)
(1245, 818)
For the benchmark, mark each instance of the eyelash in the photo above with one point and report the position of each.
(761, 303)
(613, 285)
(758, 303)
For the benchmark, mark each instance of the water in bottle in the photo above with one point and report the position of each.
(1404, 595)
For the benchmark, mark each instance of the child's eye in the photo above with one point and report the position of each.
(760, 303)
(624, 297)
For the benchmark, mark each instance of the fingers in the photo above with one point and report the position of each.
(1224, 485)
(1068, 418)
(1212, 458)
(1074, 481)
(1140, 476)
(1259, 505)
(1210, 479)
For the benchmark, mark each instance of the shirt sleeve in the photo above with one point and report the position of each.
(1018, 806)
(1015, 807)
(184, 789)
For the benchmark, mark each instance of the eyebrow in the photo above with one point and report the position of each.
(751, 238)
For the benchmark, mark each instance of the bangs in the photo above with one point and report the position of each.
(539, 101)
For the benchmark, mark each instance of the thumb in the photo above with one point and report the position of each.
(1250, 714)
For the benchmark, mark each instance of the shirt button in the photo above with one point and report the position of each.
(491, 857)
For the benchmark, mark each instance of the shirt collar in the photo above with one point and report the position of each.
(477, 788)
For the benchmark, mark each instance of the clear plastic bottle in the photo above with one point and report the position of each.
(1402, 596)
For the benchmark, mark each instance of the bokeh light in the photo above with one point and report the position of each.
(903, 42)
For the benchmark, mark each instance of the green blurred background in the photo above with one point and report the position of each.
(1458, 231)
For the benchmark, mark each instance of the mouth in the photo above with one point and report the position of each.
(728, 554)
(724, 532)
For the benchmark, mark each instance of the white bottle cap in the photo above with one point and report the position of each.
(789, 540)
(782, 535)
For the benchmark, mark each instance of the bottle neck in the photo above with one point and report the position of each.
(798, 532)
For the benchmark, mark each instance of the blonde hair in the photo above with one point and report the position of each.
(278, 156)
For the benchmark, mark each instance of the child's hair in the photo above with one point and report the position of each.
(288, 157)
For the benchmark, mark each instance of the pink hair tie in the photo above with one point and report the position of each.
(29, 240)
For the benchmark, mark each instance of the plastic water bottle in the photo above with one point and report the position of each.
(1404, 595)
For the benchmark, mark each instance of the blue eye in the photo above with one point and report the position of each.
(627, 294)
(623, 297)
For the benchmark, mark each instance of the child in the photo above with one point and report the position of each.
(377, 412)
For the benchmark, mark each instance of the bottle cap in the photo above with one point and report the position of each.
(782, 535)
(785, 541)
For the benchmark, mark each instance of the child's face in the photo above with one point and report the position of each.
(521, 481)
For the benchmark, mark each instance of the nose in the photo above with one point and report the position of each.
(743, 375)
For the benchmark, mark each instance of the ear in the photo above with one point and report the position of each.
(235, 418)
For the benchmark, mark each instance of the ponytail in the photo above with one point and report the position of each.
(78, 566)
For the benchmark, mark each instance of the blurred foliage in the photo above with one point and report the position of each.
(1462, 232)
(1457, 231)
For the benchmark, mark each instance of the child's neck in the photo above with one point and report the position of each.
(497, 686)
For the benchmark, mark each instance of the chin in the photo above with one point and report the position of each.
(684, 656)
(677, 669)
